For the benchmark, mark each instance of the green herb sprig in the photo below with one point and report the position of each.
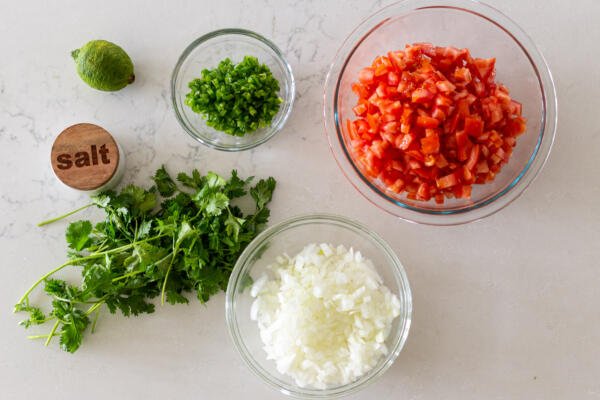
(236, 98)
(146, 248)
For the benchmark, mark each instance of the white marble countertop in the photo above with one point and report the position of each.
(504, 308)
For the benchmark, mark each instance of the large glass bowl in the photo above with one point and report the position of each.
(290, 237)
(206, 52)
(486, 32)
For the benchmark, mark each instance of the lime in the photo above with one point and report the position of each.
(103, 65)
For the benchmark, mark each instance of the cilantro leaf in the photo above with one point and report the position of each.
(36, 316)
(193, 182)
(75, 323)
(215, 204)
(103, 199)
(235, 186)
(233, 226)
(136, 201)
(165, 185)
(214, 181)
(78, 235)
(262, 192)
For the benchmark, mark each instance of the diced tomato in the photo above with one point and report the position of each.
(381, 90)
(378, 148)
(502, 154)
(473, 126)
(360, 90)
(422, 95)
(430, 144)
(447, 181)
(479, 87)
(441, 161)
(373, 162)
(393, 78)
(361, 126)
(485, 67)
(515, 108)
(388, 117)
(397, 186)
(482, 167)
(430, 160)
(468, 176)
(423, 192)
(445, 86)
(416, 154)
(516, 126)
(451, 124)
(461, 139)
(392, 107)
(438, 114)
(360, 109)
(463, 75)
(432, 121)
(462, 108)
(351, 128)
(382, 66)
(373, 120)
(405, 141)
(397, 59)
(510, 141)
(427, 122)
(443, 101)
(366, 75)
(473, 158)
(462, 191)
(391, 127)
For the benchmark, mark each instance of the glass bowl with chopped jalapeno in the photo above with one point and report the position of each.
(232, 89)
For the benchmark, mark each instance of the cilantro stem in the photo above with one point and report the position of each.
(49, 221)
(73, 301)
(41, 336)
(51, 334)
(76, 260)
(93, 329)
(164, 285)
(129, 275)
(94, 307)
(134, 273)
(46, 275)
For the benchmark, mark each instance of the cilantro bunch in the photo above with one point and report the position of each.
(236, 98)
(166, 241)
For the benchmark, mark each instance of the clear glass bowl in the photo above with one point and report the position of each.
(206, 52)
(486, 32)
(290, 237)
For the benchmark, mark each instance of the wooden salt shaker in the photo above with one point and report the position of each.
(87, 158)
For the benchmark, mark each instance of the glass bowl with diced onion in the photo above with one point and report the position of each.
(440, 112)
(318, 306)
(234, 102)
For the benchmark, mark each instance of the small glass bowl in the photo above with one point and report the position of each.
(290, 237)
(207, 52)
(486, 32)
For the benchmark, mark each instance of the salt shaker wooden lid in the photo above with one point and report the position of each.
(85, 157)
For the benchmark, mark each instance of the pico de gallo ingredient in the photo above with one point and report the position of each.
(432, 121)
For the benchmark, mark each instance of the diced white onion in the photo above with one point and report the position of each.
(323, 315)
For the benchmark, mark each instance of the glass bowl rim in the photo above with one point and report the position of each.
(461, 214)
(287, 104)
(400, 277)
